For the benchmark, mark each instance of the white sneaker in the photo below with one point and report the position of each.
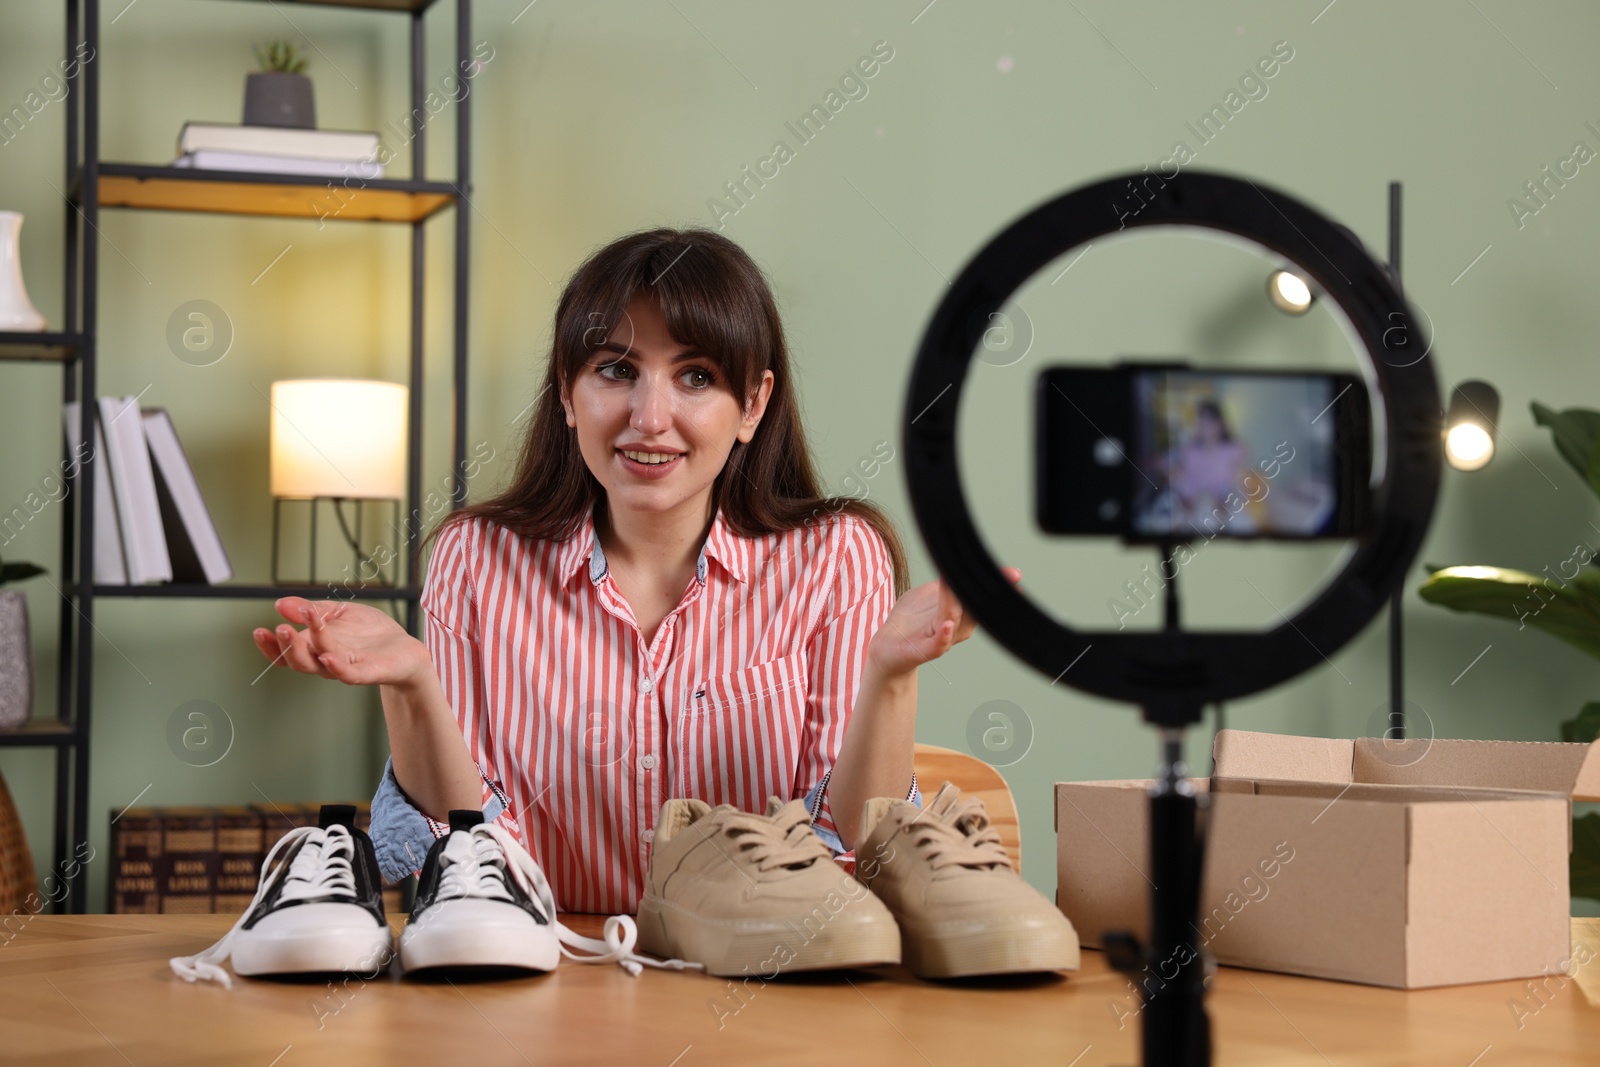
(482, 901)
(318, 907)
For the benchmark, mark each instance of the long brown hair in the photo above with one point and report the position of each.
(714, 297)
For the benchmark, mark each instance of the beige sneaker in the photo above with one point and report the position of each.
(961, 906)
(744, 893)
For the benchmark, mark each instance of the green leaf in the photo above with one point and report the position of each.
(1585, 864)
(1584, 729)
(15, 572)
(1568, 610)
(1575, 432)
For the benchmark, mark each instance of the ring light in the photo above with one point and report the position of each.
(1173, 674)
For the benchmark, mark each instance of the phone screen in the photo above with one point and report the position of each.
(1242, 454)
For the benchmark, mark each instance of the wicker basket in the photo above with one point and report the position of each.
(17, 878)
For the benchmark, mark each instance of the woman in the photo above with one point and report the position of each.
(660, 605)
(1209, 468)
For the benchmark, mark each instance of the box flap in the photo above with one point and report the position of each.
(1573, 770)
(1248, 754)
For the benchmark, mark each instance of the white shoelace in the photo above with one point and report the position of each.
(320, 868)
(481, 872)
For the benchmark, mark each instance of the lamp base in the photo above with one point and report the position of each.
(364, 570)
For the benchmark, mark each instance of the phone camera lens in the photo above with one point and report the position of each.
(1109, 509)
(1108, 452)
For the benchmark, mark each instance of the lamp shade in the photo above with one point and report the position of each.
(338, 438)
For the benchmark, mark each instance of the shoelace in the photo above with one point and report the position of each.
(482, 873)
(321, 868)
(961, 835)
(771, 843)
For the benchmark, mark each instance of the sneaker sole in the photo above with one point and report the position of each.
(733, 947)
(446, 944)
(968, 950)
(361, 951)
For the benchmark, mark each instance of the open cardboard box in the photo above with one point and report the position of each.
(1395, 863)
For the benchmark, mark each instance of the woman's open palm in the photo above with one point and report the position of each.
(354, 643)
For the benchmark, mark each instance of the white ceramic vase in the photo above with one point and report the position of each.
(16, 310)
(16, 661)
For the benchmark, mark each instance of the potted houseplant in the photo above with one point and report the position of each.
(1565, 604)
(280, 94)
(16, 652)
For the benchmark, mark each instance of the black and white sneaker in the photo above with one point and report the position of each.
(318, 907)
(482, 901)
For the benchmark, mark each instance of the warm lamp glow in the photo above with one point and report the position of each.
(338, 438)
(1468, 447)
(1289, 293)
(1469, 425)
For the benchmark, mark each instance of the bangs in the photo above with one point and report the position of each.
(721, 308)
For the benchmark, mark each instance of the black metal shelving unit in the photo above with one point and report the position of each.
(94, 184)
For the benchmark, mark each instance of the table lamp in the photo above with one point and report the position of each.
(337, 439)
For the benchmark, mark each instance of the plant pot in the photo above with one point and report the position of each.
(273, 98)
(16, 310)
(18, 881)
(16, 661)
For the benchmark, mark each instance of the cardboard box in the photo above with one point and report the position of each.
(1404, 864)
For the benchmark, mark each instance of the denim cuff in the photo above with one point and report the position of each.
(814, 805)
(401, 834)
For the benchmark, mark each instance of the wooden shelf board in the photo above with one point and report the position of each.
(371, 5)
(38, 732)
(37, 347)
(276, 195)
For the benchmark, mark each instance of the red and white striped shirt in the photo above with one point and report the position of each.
(583, 731)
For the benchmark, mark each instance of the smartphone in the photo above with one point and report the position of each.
(1161, 452)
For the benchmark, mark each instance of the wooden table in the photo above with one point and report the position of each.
(96, 989)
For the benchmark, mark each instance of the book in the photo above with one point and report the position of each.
(189, 861)
(133, 484)
(361, 169)
(196, 860)
(239, 856)
(110, 565)
(136, 852)
(346, 145)
(195, 550)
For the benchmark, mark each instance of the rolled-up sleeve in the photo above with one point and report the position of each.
(401, 833)
(860, 601)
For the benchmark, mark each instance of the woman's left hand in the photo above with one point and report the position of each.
(925, 623)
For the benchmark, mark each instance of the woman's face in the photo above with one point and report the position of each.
(1208, 428)
(642, 391)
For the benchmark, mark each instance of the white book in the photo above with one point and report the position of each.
(134, 483)
(364, 169)
(192, 540)
(278, 141)
(110, 568)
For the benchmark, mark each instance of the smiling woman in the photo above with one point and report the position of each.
(662, 604)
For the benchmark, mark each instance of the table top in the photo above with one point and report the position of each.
(96, 989)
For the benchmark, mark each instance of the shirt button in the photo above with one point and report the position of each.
(647, 763)
(648, 836)
(647, 685)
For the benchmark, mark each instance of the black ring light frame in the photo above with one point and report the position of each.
(1171, 674)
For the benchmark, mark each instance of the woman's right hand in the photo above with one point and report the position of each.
(354, 643)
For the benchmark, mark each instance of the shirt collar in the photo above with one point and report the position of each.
(721, 545)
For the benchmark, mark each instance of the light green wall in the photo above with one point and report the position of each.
(595, 119)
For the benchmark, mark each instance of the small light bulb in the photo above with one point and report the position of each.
(1468, 446)
(1289, 293)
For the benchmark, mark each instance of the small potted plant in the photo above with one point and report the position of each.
(16, 652)
(280, 93)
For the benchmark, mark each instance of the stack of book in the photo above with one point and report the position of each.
(279, 150)
(151, 524)
(204, 860)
